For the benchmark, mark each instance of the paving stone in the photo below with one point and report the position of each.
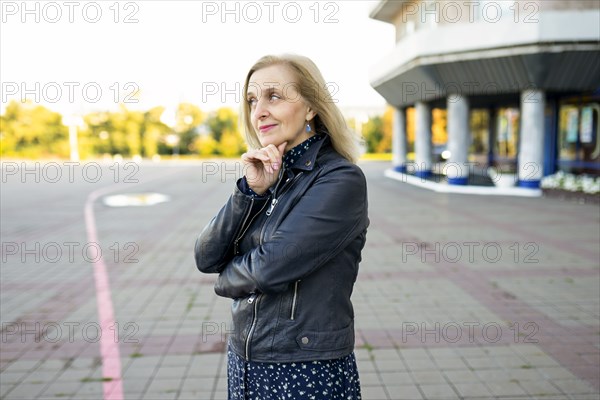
(373, 393)
(461, 376)
(395, 378)
(451, 363)
(540, 388)
(428, 377)
(170, 372)
(506, 389)
(62, 389)
(167, 300)
(198, 384)
(390, 365)
(26, 391)
(438, 391)
(472, 390)
(404, 392)
(574, 386)
(419, 364)
(370, 379)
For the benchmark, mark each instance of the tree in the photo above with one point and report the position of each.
(32, 131)
(223, 119)
(206, 145)
(223, 126)
(188, 118)
(373, 133)
(385, 144)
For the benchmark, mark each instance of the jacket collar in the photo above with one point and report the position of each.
(307, 161)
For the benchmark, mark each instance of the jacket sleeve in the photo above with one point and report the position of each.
(332, 212)
(214, 246)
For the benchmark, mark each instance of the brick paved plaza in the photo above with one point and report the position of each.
(458, 296)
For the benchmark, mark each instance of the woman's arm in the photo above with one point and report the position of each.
(331, 214)
(214, 246)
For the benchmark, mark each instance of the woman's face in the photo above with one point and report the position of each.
(277, 111)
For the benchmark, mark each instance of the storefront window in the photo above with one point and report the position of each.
(480, 143)
(506, 141)
(578, 145)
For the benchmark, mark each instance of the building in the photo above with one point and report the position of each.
(519, 82)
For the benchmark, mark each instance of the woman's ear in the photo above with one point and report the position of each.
(310, 114)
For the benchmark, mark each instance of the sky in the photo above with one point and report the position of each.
(80, 56)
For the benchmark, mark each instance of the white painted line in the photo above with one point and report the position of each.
(135, 199)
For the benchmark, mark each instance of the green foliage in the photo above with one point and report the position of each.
(32, 131)
(206, 145)
(373, 133)
(188, 118)
(231, 144)
(125, 132)
(223, 125)
(224, 119)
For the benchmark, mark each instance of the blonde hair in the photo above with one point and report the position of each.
(313, 89)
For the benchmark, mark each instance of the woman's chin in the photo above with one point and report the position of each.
(265, 141)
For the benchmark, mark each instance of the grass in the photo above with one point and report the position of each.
(103, 379)
(191, 301)
(376, 157)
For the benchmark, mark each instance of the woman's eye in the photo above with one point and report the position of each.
(274, 96)
(251, 101)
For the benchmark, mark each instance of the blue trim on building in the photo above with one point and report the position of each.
(533, 184)
(423, 173)
(458, 181)
(400, 168)
(578, 164)
(550, 136)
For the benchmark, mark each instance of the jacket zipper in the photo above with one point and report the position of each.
(276, 198)
(273, 204)
(253, 299)
(245, 228)
(293, 313)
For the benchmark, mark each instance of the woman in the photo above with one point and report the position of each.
(288, 242)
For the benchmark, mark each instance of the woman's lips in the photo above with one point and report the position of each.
(266, 128)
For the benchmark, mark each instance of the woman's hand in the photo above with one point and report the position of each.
(262, 166)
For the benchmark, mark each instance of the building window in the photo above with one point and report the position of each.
(480, 143)
(506, 140)
(578, 145)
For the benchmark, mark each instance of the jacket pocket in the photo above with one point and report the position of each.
(294, 301)
(326, 340)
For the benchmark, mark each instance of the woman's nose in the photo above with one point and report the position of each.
(260, 110)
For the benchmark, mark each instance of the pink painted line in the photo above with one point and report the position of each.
(109, 348)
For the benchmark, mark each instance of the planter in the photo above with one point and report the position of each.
(567, 195)
(502, 179)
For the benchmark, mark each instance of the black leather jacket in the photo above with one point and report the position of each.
(289, 261)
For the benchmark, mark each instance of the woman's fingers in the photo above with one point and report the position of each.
(253, 155)
(274, 156)
(264, 164)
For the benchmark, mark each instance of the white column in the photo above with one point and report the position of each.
(457, 169)
(399, 140)
(531, 147)
(423, 140)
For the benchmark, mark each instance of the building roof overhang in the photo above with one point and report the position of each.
(550, 67)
